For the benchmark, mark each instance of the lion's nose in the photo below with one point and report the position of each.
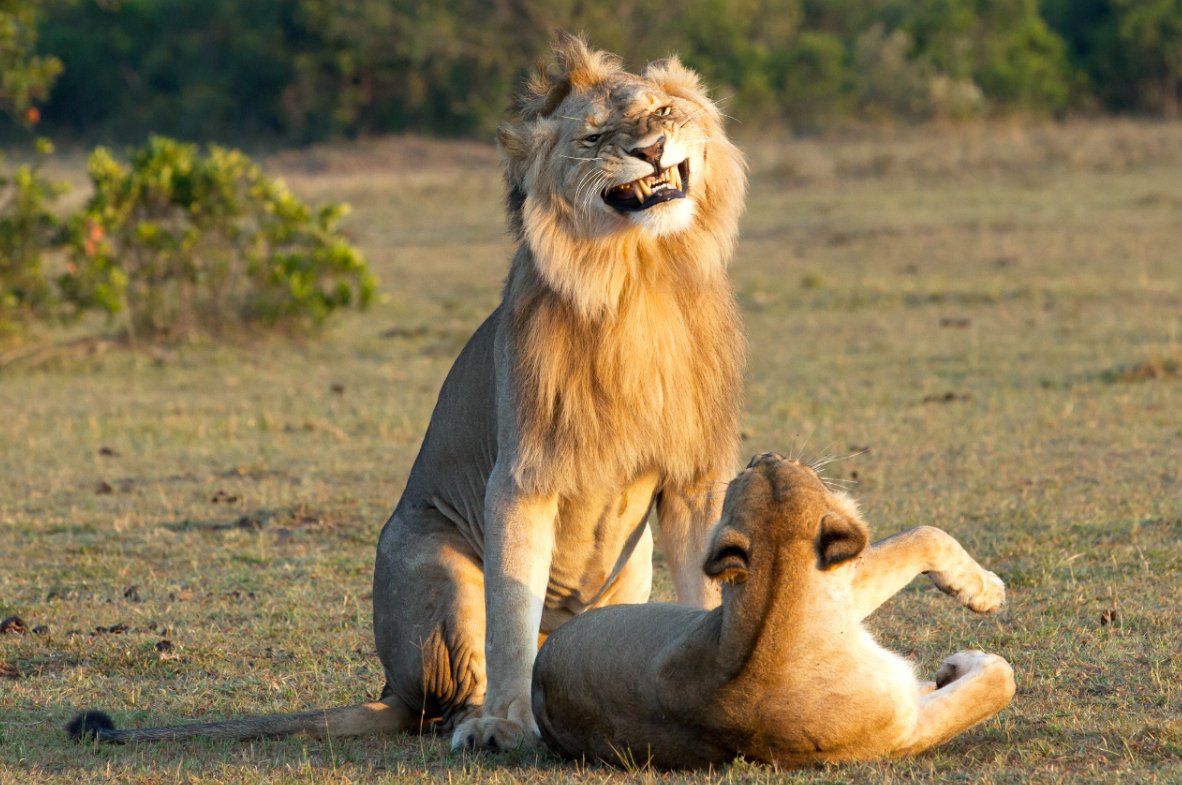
(652, 153)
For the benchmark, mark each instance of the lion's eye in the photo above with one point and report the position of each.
(592, 139)
(664, 111)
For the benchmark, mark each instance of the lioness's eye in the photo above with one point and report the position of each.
(592, 139)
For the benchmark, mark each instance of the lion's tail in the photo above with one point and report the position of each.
(389, 714)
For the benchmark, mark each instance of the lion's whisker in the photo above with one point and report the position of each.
(589, 185)
(584, 180)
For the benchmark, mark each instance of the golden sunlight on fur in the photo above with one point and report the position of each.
(604, 386)
(783, 671)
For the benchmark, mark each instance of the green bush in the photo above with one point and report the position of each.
(25, 77)
(810, 79)
(182, 243)
(27, 226)
(28, 231)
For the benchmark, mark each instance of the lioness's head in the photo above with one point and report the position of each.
(604, 165)
(778, 511)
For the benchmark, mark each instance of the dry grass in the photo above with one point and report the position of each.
(994, 313)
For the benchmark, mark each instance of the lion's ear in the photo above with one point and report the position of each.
(675, 79)
(839, 539)
(521, 144)
(728, 556)
(514, 141)
(581, 65)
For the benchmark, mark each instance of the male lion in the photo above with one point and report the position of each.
(605, 384)
(783, 670)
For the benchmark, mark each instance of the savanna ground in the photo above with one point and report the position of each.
(991, 315)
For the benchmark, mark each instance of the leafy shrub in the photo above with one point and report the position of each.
(27, 225)
(184, 243)
(889, 83)
(28, 229)
(24, 76)
(810, 76)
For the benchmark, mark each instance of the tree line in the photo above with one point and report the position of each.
(296, 71)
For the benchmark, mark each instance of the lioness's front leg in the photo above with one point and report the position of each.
(889, 565)
(518, 540)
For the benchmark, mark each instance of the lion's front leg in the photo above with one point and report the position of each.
(889, 565)
(518, 540)
(685, 517)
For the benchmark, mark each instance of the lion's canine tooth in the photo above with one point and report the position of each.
(638, 191)
(675, 177)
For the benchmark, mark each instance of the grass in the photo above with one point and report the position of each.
(994, 313)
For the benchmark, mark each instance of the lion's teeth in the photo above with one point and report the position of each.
(638, 191)
(675, 177)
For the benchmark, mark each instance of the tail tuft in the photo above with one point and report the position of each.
(90, 725)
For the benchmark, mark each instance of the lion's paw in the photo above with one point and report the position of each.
(491, 733)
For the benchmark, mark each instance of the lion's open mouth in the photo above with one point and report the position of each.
(669, 184)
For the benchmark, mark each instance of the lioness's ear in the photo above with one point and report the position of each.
(839, 539)
(727, 557)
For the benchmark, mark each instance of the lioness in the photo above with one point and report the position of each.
(606, 383)
(783, 671)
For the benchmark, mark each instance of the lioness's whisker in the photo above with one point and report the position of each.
(835, 458)
(799, 457)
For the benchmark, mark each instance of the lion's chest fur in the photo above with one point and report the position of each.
(651, 386)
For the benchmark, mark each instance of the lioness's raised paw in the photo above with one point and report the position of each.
(492, 733)
(982, 593)
(990, 597)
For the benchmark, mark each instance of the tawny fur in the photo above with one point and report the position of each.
(605, 385)
(783, 670)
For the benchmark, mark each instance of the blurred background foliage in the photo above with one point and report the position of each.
(297, 71)
(176, 243)
(163, 255)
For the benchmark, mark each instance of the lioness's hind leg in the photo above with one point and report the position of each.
(972, 686)
(889, 565)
